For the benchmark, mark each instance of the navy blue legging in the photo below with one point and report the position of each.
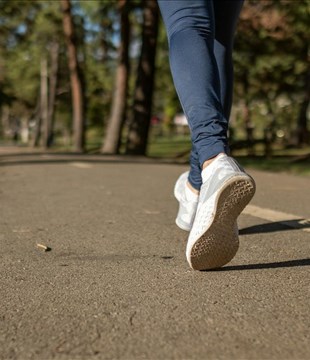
(200, 35)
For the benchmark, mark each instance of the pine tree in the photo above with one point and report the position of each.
(139, 127)
(113, 133)
(75, 77)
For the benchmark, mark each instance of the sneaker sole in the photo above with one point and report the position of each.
(220, 242)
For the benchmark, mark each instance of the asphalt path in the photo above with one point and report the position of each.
(115, 283)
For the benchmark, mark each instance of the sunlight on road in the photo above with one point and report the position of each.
(293, 221)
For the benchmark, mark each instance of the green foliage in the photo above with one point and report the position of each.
(271, 60)
(26, 33)
(166, 102)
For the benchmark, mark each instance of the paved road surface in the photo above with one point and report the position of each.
(116, 284)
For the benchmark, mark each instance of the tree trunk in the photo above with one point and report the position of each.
(75, 78)
(5, 121)
(49, 134)
(248, 127)
(44, 101)
(37, 118)
(142, 108)
(24, 130)
(113, 134)
(303, 133)
(270, 128)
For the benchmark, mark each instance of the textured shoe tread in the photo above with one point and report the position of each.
(219, 244)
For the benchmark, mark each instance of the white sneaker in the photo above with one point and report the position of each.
(225, 192)
(187, 207)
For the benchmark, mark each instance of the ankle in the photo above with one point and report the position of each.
(209, 161)
(191, 188)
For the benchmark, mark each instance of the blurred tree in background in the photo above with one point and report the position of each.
(118, 78)
(76, 77)
(112, 139)
(143, 94)
(272, 67)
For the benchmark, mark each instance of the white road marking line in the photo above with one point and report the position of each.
(279, 216)
(81, 165)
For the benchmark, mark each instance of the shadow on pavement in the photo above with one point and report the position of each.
(273, 265)
(295, 224)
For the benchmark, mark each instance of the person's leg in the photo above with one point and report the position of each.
(191, 29)
(226, 14)
(226, 189)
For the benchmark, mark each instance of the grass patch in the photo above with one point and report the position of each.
(169, 147)
(296, 161)
(293, 160)
(287, 164)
